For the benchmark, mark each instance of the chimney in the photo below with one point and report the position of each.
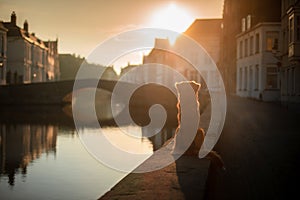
(25, 26)
(13, 18)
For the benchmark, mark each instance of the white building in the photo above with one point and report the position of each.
(29, 59)
(257, 65)
(3, 46)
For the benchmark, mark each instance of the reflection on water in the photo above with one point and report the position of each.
(21, 144)
(41, 157)
(126, 142)
(159, 139)
(83, 109)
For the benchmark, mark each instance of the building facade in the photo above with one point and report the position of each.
(207, 33)
(52, 68)
(3, 46)
(156, 62)
(257, 66)
(131, 77)
(290, 53)
(233, 12)
(29, 59)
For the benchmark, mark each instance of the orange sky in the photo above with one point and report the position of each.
(81, 25)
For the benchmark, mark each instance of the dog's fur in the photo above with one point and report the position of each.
(183, 87)
(194, 148)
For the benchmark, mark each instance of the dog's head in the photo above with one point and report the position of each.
(184, 85)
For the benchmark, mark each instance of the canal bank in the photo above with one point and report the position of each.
(184, 179)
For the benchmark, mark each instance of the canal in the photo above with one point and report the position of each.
(42, 156)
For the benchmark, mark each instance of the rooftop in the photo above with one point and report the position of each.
(15, 31)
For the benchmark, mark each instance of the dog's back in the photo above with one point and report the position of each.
(194, 149)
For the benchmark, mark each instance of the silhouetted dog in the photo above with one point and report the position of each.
(195, 146)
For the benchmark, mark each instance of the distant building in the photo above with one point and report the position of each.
(3, 47)
(206, 32)
(29, 59)
(257, 67)
(131, 78)
(70, 64)
(290, 52)
(157, 57)
(110, 74)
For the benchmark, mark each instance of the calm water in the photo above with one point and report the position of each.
(42, 157)
(49, 162)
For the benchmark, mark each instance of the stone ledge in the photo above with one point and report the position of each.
(184, 179)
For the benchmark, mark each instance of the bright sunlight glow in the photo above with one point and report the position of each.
(173, 18)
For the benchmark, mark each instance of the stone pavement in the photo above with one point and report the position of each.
(185, 179)
(260, 145)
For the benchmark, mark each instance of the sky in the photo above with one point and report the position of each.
(82, 25)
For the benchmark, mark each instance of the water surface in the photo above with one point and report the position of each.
(42, 157)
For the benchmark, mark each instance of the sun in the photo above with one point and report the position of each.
(172, 18)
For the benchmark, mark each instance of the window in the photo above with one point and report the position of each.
(257, 43)
(1, 45)
(291, 29)
(241, 49)
(250, 78)
(298, 28)
(1, 70)
(284, 43)
(251, 46)
(240, 78)
(246, 79)
(272, 78)
(248, 22)
(246, 48)
(27, 51)
(272, 40)
(256, 78)
(243, 25)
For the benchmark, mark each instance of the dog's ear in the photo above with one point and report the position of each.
(195, 86)
(177, 85)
